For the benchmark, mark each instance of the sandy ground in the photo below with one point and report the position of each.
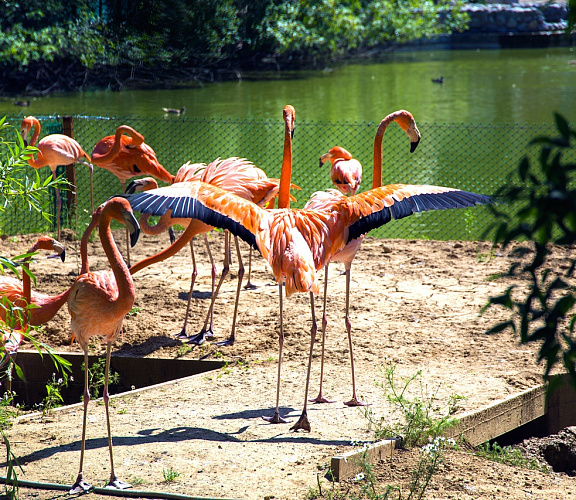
(414, 304)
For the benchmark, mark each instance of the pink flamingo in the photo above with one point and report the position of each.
(20, 293)
(126, 155)
(346, 174)
(98, 303)
(236, 175)
(54, 150)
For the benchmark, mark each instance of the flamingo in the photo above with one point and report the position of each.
(297, 243)
(54, 150)
(126, 155)
(346, 174)
(98, 303)
(234, 174)
(20, 292)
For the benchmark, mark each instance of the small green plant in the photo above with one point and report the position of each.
(137, 481)
(509, 456)
(183, 350)
(170, 475)
(54, 397)
(134, 311)
(431, 455)
(419, 420)
(96, 377)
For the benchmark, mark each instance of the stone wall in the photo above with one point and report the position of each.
(516, 17)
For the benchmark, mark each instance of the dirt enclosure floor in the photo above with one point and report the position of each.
(414, 304)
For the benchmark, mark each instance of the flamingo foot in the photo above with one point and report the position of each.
(250, 286)
(225, 343)
(321, 399)
(356, 402)
(276, 419)
(80, 486)
(302, 423)
(116, 484)
(201, 337)
(182, 335)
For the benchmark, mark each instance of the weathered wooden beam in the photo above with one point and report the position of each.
(348, 465)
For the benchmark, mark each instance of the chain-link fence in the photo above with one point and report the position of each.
(473, 157)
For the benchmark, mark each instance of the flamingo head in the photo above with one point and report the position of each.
(408, 124)
(336, 153)
(289, 114)
(25, 127)
(143, 184)
(119, 209)
(48, 243)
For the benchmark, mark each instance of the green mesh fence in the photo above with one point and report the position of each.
(478, 158)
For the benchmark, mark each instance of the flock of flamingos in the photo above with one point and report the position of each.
(231, 194)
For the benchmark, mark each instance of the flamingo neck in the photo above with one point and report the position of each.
(286, 174)
(36, 134)
(48, 307)
(195, 227)
(114, 151)
(124, 281)
(85, 266)
(26, 285)
(377, 158)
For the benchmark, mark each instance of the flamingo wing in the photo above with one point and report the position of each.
(210, 204)
(374, 208)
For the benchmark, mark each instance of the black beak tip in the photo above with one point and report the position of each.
(63, 255)
(134, 237)
(414, 145)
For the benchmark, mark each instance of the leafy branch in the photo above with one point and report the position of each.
(540, 210)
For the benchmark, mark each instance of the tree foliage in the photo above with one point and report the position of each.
(88, 35)
(540, 210)
(332, 28)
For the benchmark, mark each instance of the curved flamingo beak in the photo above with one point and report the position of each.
(133, 227)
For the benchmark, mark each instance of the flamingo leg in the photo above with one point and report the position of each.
(91, 170)
(81, 486)
(114, 481)
(232, 338)
(58, 206)
(183, 334)
(249, 285)
(207, 332)
(276, 418)
(303, 422)
(354, 401)
(320, 398)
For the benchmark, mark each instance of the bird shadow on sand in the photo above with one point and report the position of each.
(175, 435)
(149, 346)
(195, 295)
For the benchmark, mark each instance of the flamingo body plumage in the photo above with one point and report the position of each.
(20, 293)
(126, 155)
(54, 150)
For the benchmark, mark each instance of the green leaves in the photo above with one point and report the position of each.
(331, 28)
(20, 185)
(541, 209)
